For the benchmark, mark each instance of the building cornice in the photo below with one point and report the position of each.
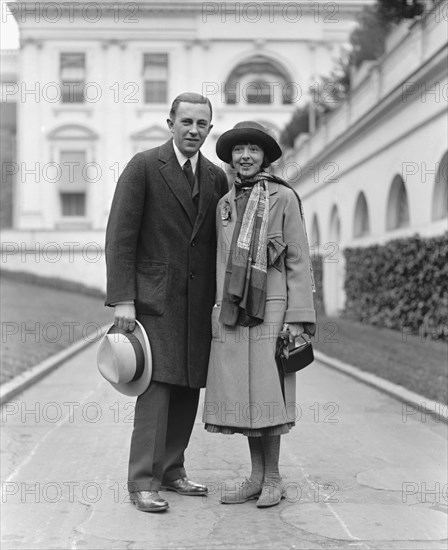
(175, 7)
(431, 72)
(320, 160)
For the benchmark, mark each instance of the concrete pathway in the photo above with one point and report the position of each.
(363, 471)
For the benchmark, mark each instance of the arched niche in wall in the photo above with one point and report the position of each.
(397, 211)
(335, 225)
(361, 223)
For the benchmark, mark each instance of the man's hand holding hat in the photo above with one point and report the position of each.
(124, 316)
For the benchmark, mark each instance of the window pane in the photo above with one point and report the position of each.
(231, 91)
(72, 60)
(259, 92)
(72, 92)
(231, 98)
(72, 171)
(73, 204)
(154, 59)
(72, 69)
(155, 75)
(155, 91)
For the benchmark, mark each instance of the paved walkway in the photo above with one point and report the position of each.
(363, 471)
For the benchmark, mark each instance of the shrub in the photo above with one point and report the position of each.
(403, 283)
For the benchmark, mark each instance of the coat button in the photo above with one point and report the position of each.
(193, 243)
(191, 275)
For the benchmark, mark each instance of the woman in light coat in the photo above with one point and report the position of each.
(264, 280)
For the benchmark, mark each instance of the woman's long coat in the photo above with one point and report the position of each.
(162, 255)
(243, 384)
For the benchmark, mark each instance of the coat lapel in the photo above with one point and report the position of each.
(206, 188)
(171, 172)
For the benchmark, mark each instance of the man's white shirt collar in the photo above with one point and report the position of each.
(182, 159)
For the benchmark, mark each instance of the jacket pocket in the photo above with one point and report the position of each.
(151, 287)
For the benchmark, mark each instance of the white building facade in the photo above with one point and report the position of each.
(377, 169)
(94, 86)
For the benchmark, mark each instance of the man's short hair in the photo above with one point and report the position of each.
(189, 97)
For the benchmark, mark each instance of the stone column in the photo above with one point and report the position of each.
(30, 187)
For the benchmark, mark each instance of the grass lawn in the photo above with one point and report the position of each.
(38, 321)
(409, 360)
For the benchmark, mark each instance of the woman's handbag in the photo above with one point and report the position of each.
(293, 356)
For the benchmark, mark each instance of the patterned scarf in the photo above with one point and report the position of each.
(244, 296)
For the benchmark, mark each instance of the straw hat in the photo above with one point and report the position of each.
(124, 359)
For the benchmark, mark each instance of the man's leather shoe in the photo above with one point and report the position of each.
(183, 486)
(148, 501)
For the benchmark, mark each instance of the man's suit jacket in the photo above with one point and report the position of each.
(163, 256)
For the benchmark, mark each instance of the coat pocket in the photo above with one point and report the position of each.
(151, 287)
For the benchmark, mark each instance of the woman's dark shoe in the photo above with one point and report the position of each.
(247, 491)
(148, 501)
(271, 494)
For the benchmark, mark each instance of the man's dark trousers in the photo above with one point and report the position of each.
(164, 419)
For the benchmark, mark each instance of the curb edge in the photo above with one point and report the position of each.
(29, 377)
(420, 402)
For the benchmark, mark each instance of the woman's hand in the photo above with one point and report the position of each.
(294, 329)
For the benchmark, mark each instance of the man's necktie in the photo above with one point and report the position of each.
(189, 173)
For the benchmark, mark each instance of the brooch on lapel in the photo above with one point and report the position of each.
(226, 212)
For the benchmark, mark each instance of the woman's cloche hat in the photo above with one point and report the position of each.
(247, 132)
(124, 359)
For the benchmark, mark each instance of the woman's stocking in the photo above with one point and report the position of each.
(271, 452)
(257, 459)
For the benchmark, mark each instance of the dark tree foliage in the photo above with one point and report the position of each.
(367, 43)
(397, 10)
(299, 124)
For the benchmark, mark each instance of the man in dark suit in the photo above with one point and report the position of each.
(161, 262)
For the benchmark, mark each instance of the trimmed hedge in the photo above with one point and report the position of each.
(402, 285)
